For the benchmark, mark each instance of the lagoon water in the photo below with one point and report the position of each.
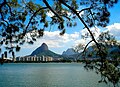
(48, 75)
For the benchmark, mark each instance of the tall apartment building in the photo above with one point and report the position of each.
(34, 59)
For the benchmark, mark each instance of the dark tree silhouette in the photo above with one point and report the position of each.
(109, 71)
(24, 21)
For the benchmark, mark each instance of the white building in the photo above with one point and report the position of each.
(34, 59)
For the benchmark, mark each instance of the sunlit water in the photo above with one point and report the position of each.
(48, 75)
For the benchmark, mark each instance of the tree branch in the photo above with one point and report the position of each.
(46, 3)
(28, 6)
(92, 18)
(1, 5)
(2, 17)
(86, 46)
(32, 18)
(64, 16)
(9, 8)
(93, 39)
(85, 9)
(85, 49)
(79, 18)
(6, 3)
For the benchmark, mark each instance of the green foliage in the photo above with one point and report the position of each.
(97, 12)
(105, 38)
(108, 67)
(79, 47)
(25, 21)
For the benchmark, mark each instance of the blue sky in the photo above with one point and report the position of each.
(115, 13)
(72, 37)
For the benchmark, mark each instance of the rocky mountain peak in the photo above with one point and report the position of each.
(44, 46)
(43, 50)
(68, 52)
(40, 49)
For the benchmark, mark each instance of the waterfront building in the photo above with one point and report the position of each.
(34, 59)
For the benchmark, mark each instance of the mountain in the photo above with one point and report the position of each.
(69, 52)
(111, 50)
(44, 50)
(40, 49)
(90, 53)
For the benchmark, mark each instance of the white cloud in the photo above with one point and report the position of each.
(94, 30)
(114, 29)
(82, 41)
(82, 13)
(50, 13)
(54, 40)
(59, 43)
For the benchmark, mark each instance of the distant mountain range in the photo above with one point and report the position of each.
(111, 50)
(44, 50)
(91, 53)
(70, 53)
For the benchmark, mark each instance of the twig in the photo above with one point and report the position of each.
(32, 18)
(98, 46)
(28, 6)
(86, 46)
(1, 5)
(9, 9)
(2, 17)
(85, 9)
(46, 3)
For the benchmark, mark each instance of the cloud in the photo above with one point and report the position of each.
(59, 43)
(82, 41)
(81, 13)
(114, 29)
(50, 13)
(94, 30)
(54, 40)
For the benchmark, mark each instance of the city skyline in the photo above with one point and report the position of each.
(72, 37)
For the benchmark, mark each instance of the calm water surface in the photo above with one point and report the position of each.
(48, 75)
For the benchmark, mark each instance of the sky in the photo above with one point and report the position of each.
(72, 37)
